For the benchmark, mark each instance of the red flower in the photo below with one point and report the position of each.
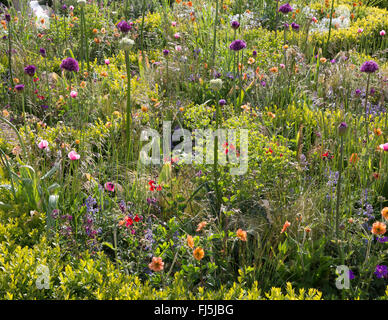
(35, 79)
(128, 221)
(159, 188)
(137, 218)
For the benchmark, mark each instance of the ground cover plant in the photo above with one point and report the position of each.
(204, 149)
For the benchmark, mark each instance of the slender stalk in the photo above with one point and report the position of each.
(331, 19)
(215, 35)
(129, 109)
(337, 214)
(365, 107)
(142, 31)
(215, 164)
(10, 53)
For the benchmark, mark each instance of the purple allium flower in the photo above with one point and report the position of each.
(369, 66)
(42, 52)
(342, 128)
(381, 271)
(351, 275)
(237, 45)
(333, 61)
(357, 92)
(222, 102)
(124, 26)
(254, 53)
(7, 17)
(263, 83)
(19, 87)
(372, 91)
(286, 26)
(43, 106)
(30, 70)
(64, 7)
(295, 26)
(166, 52)
(70, 64)
(285, 8)
(235, 24)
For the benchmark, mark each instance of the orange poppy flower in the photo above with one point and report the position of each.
(201, 225)
(285, 226)
(384, 213)
(190, 241)
(378, 132)
(241, 234)
(198, 254)
(379, 228)
(353, 158)
(157, 264)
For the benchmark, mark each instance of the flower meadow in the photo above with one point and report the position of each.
(204, 149)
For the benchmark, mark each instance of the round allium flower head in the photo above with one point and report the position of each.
(222, 102)
(19, 87)
(342, 128)
(216, 84)
(166, 52)
(126, 44)
(237, 45)
(42, 52)
(30, 70)
(70, 64)
(107, 62)
(295, 26)
(382, 33)
(124, 26)
(369, 66)
(285, 8)
(254, 53)
(73, 94)
(235, 24)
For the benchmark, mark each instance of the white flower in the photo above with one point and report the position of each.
(81, 3)
(126, 44)
(216, 84)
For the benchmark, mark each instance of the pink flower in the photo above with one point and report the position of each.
(109, 186)
(73, 155)
(178, 48)
(173, 23)
(360, 30)
(43, 144)
(73, 94)
(71, 8)
(282, 66)
(382, 33)
(107, 62)
(177, 35)
(314, 19)
(384, 146)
